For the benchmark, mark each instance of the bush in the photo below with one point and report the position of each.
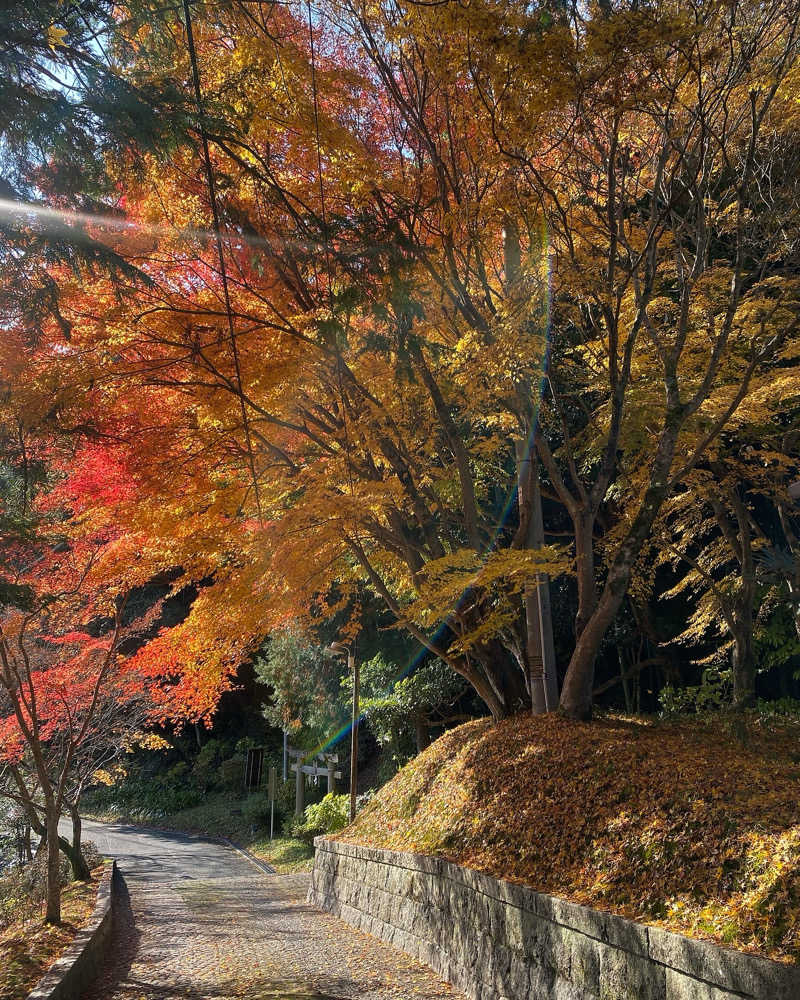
(23, 889)
(205, 767)
(91, 854)
(255, 810)
(328, 816)
(712, 694)
(230, 773)
(142, 799)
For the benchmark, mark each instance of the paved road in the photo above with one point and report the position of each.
(198, 921)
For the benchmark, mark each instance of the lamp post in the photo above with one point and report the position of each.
(340, 649)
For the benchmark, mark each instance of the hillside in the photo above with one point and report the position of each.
(671, 824)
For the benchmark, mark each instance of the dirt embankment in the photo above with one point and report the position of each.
(680, 825)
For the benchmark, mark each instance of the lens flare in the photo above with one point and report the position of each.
(58, 221)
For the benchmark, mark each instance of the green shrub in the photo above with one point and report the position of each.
(92, 854)
(712, 694)
(23, 889)
(328, 816)
(142, 799)
(205, 767)
(230, 774)
(255, 810)
(175, 775)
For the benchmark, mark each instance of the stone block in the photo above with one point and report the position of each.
(682, 987)
(627, 976)
(514, 929)
(541, 977)
(564, 989)
(497, 919)
(539, 938)
(515, 895)
(584, 960)
(725, 969)
(519, 978)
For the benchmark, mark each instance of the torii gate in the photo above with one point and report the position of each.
(323, 763)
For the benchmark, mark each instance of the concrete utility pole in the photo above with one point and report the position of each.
(539, 621)
(542, 584)
(534, 645)
(299, 790)
(340, 648)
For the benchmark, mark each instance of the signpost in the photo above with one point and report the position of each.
(273, 780)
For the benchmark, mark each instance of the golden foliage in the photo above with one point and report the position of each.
(673, 824)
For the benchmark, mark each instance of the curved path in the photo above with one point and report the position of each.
(198, 921)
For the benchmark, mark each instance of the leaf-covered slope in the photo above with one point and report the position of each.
(671, 824)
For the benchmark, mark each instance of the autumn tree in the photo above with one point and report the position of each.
(411, 699)
(45, 695)
(726, 528)
(444, 233)
(350, 413)
(672, 285)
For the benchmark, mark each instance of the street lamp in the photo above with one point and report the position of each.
(339, 649)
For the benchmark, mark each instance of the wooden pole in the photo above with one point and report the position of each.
(273, 781)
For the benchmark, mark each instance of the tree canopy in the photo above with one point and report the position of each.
(437, 241)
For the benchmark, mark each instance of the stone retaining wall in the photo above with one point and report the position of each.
(78, 967)
(494, 940)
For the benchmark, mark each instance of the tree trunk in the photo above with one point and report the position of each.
(584, 571)
(623, 675)
(741, 542)
(549, 669)
(744, 671)
(422, 732)
(53, 906)
(80, 870)
(576, 694)
(508, 690)
(497, 676)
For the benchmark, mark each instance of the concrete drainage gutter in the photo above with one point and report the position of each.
(81, 963)
(495, 940)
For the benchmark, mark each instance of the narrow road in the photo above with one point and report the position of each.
(197, 921)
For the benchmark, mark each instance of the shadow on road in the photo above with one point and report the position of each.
(115, 980)
(124, 944)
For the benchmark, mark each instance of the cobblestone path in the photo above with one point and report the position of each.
(196, 921)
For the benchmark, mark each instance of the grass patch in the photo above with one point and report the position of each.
(285, 854)
(27, 950)
(676, 824)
